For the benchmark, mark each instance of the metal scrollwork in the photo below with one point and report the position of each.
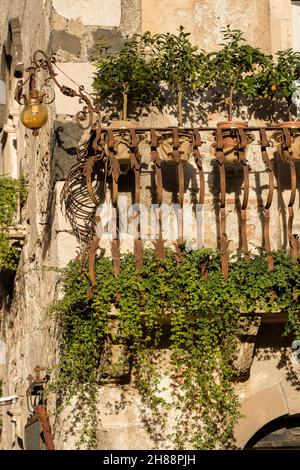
(41, 61)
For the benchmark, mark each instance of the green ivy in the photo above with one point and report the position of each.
(11, 192)
(200, 312)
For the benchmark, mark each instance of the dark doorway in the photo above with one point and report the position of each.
(282, 433)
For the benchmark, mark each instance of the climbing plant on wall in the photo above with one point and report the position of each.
(190, 304)
(11, 190)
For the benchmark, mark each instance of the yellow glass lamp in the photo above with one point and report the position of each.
(34, 114)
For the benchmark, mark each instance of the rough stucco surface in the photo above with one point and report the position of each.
(272, 390)
(71, 28)
(204, 19)
(90, 12)
(281, 27)
(80, 71)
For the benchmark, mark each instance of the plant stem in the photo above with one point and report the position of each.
(125, 104)
(179, 102)
(230, 104)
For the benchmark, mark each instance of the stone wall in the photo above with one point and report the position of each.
(70, 29)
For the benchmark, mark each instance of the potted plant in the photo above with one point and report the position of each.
(183, 69)
(234, 67)
(182, 65)
(128, 81)
(279, 81)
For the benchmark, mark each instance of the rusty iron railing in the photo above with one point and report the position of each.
(98, 158)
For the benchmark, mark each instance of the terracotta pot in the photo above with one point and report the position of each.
(165, 148)
(122, 141)
(294, 127)
(230, 140)
(291, 124)
(232, 124)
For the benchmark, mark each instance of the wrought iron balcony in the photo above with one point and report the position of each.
(109, 152)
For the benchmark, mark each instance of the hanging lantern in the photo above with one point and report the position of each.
(34, 114)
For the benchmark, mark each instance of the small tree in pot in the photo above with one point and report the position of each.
(183, 69)
(183, 66)
(130, 78)
(235, 65)
(234, 68)
(279, 82)
(127, 81)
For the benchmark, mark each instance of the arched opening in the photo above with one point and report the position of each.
(281, 433)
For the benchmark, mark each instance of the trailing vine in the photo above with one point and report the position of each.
(11, 192)
(184, 307)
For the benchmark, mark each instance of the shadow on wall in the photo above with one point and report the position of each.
(272, 344)
(283, 180)
(234, 185)
(200, 107)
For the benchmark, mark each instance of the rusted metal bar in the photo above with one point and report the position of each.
(288, 155)
(114, 167)
(176, 156)
(242, 158)
(136, 165)
(88, 171)
(293, 239)
(157, 161)
(198, 160)
(41, 412)
(180, 170)
(158, 243)
(223, 235)
(142, 130)
(114, 170)
(269, 167)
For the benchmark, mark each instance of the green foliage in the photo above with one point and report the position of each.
(82, 323)
(9, 255)
(183, 67)
(179, 60)
(137, 70)
(136, 73)
(202, 311)
(131, 75)
(235, 65)
(276, 80)
(11, 191)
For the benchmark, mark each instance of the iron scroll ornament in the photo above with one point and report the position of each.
(85, 118)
